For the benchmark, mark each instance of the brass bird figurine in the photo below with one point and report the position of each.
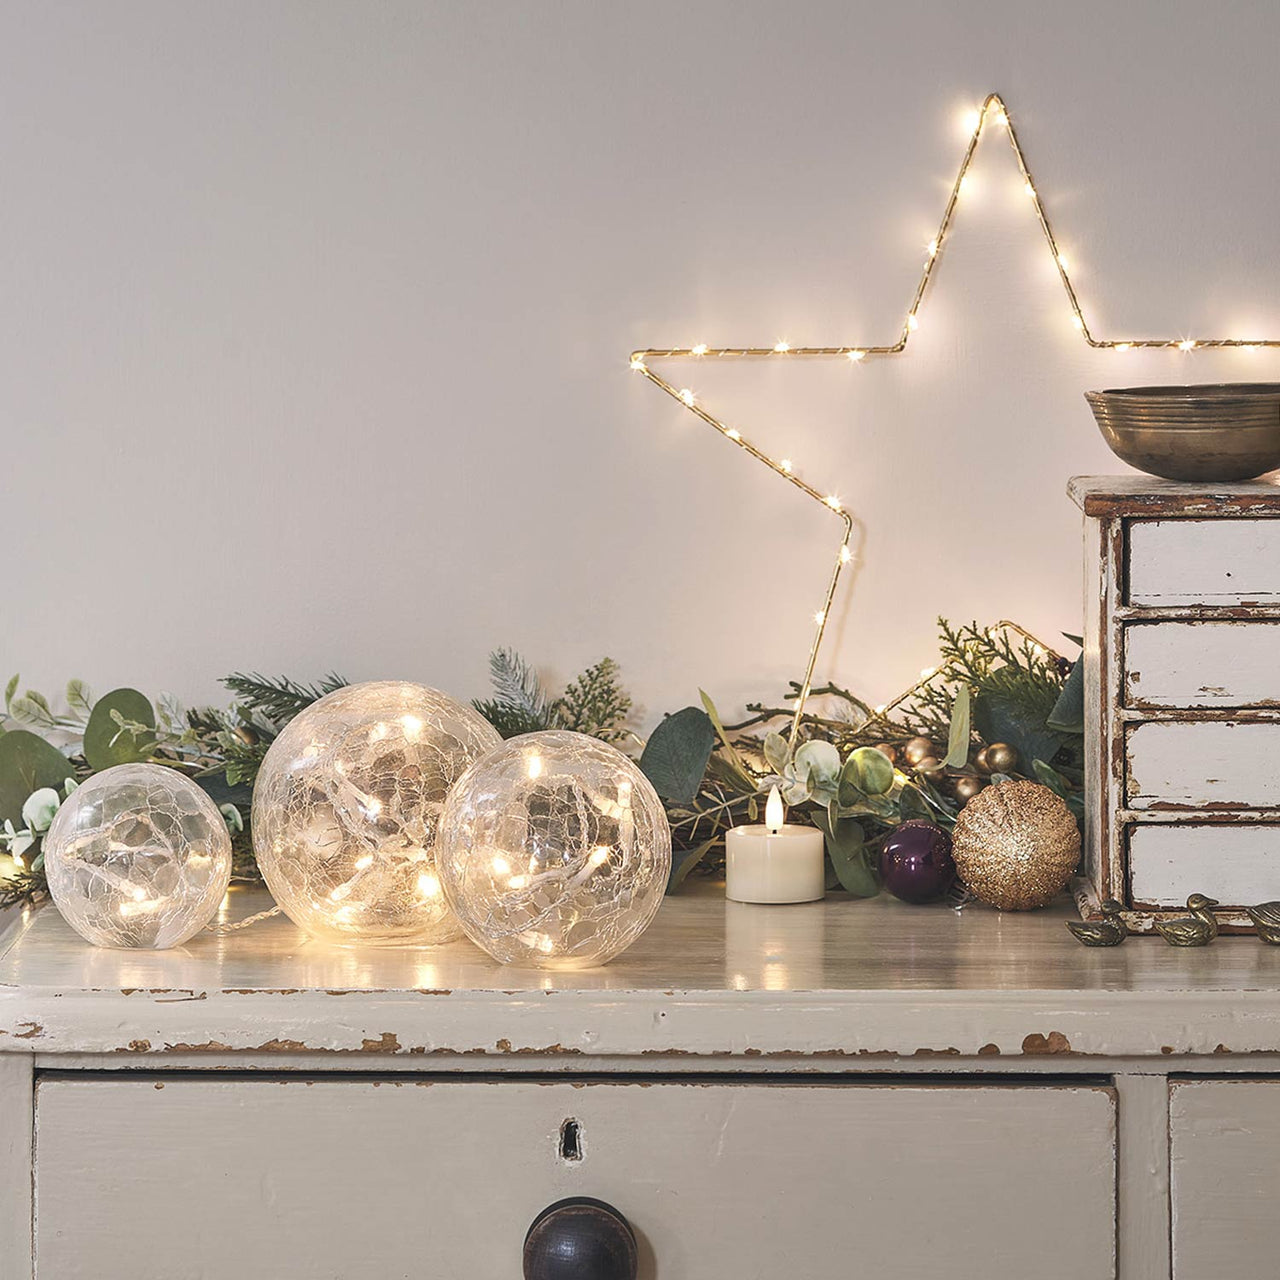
(1266, 918)
(1197, 931)
(1110, 931)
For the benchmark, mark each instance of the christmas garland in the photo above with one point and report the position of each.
(999, 704)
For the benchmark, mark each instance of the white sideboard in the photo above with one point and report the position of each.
(811, 1091)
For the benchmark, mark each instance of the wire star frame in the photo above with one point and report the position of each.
(993, 112)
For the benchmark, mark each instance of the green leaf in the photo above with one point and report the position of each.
(1051, 779)
(106, 742)
(958, 739)
(33, 708)
(1000, 718)
(9, 690)
(675, 757)
(912, 805)
(78, 697)
(846, 847)
(683, 861)
(777, 752)
(1068, 712)
(870, 770)
(27, 763)
(1078, 641)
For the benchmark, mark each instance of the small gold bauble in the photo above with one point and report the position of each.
(967, 786)
(1002, 758)
(1015, 845)
(888, 749)
(932, 768)
(982, 761)
(917, 750)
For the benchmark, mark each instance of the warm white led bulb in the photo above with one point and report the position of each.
(687, 396)
(701, 349)
(782, 348)
(913, 322)
(1187, 344)
(855, 355)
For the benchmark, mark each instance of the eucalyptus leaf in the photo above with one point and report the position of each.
(958, 739)
(846, 847)
(1068, 712)
(737, 765)
(675, 757)
(683, 861)
(107, 739)
(870, 769)
(912, 805)
(1051, 779)
(31, 708)
(27, 763)
(999, 718)
(9, 690)
(777, 752)
(79, 698)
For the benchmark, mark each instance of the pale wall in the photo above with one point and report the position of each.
(314, 323)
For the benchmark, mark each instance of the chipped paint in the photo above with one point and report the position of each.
(1054, 1042)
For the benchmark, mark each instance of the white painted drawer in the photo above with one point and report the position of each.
(1225, 1178)
(1202, 664)
(1237, 864)
(161, 1178)
(1203, 765)
(1204, 562)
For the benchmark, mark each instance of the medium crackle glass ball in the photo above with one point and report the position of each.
(347, 806)
(138, 856)
(554, 851)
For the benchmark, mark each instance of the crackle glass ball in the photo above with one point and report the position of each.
(347, 807)
(138, 856)
(554, 851)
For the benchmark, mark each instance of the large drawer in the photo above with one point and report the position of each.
(1202, 664)
(1208, 764)
(1237, 864)
(1225, 1178)
(155, 1178)
(1203, 562)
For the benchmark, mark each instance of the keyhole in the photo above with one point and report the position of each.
(570, 1140)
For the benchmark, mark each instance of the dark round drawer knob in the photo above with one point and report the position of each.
(580, 1239)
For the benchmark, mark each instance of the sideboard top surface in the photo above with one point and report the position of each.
(1139, 495)
(709, 977)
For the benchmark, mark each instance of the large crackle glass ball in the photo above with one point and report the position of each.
(347, 806)
(554, 851)
(138, 856)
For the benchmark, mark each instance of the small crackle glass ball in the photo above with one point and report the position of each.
(138, 856)
(554, 851)
(347, 806)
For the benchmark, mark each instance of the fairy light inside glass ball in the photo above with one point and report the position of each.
(347, 806)
(138, 856)
(554, 851)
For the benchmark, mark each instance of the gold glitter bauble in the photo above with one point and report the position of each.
(1015, 845)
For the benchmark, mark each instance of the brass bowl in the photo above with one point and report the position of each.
(1226, 432)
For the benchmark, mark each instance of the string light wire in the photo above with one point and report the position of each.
(994, 113)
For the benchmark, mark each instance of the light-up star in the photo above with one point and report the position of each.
(995, 114)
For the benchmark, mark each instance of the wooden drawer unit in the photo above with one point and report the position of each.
(1225, 1178)
(1182, 702)
(157, 1177)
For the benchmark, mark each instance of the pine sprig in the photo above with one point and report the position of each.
(519, 703)
(595, 703)
(278, 699)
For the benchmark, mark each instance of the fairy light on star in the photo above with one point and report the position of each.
(992, 114)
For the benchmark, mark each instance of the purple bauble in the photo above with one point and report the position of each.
(915, 862)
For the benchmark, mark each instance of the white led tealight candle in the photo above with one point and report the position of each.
(777, 862)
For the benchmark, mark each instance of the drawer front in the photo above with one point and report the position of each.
(1204, 562)
(1203, 765)
(151, 1179)
(1225, 1178)
(1239, 864)
(1202, 664)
